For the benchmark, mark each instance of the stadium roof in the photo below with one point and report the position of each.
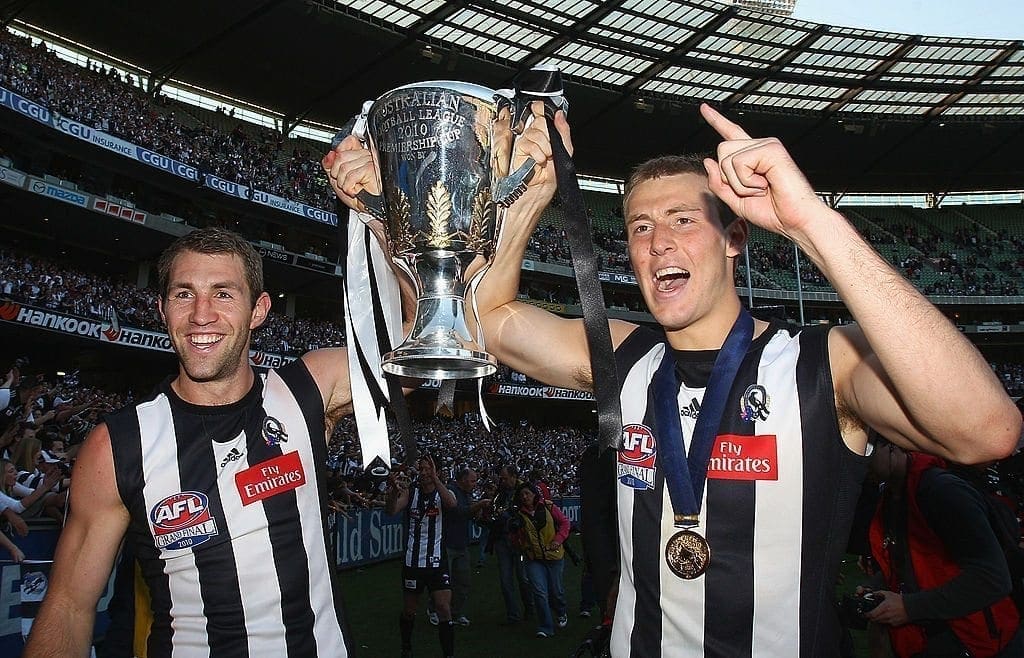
(861, 110)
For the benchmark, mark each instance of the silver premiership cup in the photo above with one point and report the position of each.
(442, 150)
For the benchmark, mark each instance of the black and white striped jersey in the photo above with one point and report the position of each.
(424, 542)
(227, 520)
(777, 508)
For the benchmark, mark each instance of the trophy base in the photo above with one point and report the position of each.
(439, 363)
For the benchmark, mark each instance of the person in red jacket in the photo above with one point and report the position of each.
(946, 579)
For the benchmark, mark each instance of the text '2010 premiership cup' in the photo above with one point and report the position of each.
(443, 151)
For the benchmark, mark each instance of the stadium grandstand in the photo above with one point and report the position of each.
(125, 125)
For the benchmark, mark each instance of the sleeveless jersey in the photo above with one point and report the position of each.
(776, 512)
(228, 523)
(424, 542)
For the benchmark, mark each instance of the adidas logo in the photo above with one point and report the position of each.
(232, 456)
(691, 410)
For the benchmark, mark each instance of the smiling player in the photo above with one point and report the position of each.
(216, 483)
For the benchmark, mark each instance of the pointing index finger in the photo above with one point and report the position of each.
(727, 129)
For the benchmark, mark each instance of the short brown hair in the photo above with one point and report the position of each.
(673, 165)
(213, 240)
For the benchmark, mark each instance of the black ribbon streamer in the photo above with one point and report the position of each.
(398, 406)
(546, 85)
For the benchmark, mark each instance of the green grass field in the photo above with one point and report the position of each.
(373, 599)
(373, 596)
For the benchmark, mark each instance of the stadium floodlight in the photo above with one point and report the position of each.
(780, 7)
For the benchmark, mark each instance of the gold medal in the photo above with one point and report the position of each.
(687, 554)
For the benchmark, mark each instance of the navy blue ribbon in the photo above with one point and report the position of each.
(686, 471)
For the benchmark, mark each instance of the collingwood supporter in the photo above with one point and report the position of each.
(425, 565)
(689, 560)
(18, 498)
(35, 466)
(538, 530)
(216, 487)
(54, 501)
(45, 462)
(109, 101)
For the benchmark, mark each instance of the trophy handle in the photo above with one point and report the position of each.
(374, 204)
(511, 187)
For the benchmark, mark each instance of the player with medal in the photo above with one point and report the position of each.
(687, 552)
(734, 486)
(787, 451)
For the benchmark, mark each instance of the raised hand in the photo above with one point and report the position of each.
(350, 170)
(535, 142)
(758, 179)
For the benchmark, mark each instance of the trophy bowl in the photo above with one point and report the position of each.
(442, 150)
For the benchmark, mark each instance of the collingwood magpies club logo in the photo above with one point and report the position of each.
(273, 431)
(754, 403)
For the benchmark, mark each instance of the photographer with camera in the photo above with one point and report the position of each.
(510, 566)
(946, 580)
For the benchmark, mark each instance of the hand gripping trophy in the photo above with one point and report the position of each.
(443, 152)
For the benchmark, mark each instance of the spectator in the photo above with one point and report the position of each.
(946, 581)
(18, 498)
(539, 529)
(456, 541)
(510, 567)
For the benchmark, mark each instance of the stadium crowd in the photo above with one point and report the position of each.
(550, 454)
(965, 261)
(43, 420)
(110, 101)
(44, 283)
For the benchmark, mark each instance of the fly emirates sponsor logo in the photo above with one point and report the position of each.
(270, 478)
(735, 457)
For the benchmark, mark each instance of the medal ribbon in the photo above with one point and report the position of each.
(686, 471)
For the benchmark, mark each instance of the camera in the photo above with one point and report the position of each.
(852, 609)
(866, 602)
(515, 523)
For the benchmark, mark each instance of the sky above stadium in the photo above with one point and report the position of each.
(991, 19)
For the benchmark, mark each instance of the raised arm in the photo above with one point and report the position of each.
(527, 338)
(85, 554)
(349, 169)
(904, 369)
(448, 499)
(329, 368)
(533, 341)
(49, 480)
(16, 554)
(397, 497)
